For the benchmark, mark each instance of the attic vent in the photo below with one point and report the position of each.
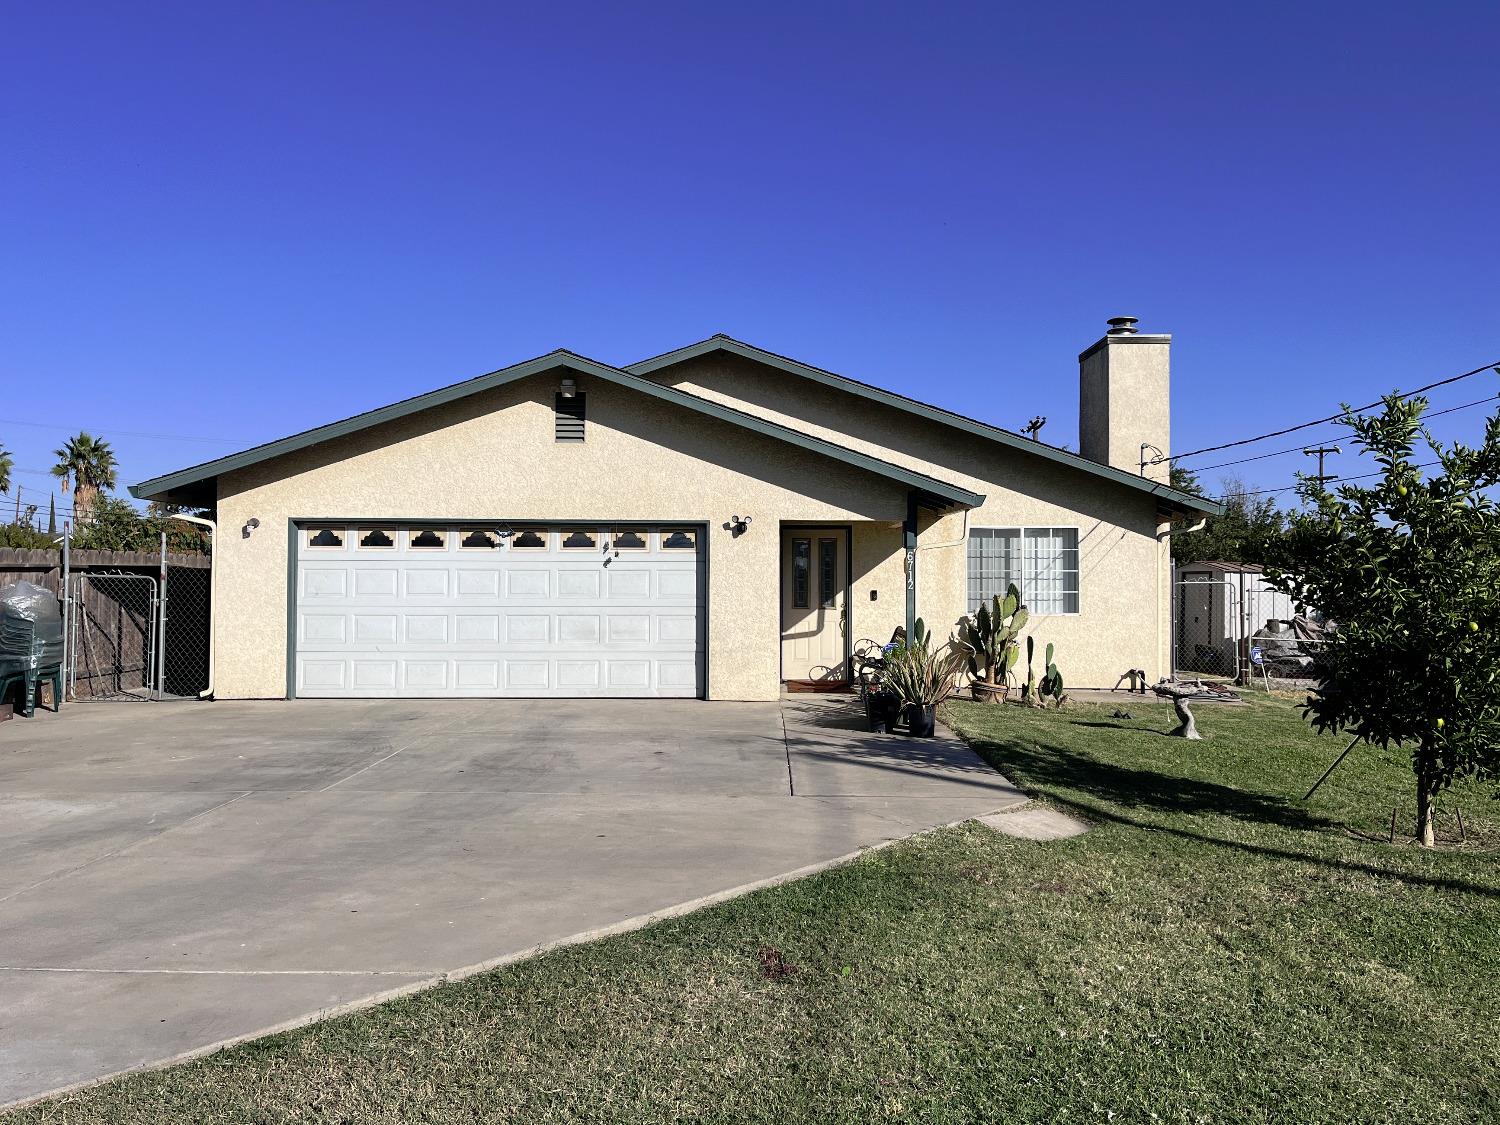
(570, 412)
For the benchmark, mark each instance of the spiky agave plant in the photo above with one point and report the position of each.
(921, 676)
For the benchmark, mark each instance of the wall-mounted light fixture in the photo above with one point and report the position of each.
(738, 525)
(250, 525)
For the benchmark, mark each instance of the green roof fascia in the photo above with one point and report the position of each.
(199, 474)
(1171, 496)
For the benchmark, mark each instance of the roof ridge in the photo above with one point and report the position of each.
(896, 399)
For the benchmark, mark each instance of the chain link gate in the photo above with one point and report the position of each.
(112, 637)
(1207, 629)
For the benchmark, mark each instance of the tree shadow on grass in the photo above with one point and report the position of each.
(1108, 792)
(1054, 768)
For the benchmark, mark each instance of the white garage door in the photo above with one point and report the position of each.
(485, 609)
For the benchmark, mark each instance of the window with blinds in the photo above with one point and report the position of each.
(1041, 561)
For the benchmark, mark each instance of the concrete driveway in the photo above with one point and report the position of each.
(175, 875)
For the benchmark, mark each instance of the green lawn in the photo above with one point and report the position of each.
(1214, 951)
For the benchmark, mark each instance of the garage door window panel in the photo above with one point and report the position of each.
(427, 539)
(325, 538)
(376, 539)
(529, 539)
(478, 539)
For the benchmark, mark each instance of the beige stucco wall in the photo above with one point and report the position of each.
(1124, 579)
(493, 457)
(1124, 400)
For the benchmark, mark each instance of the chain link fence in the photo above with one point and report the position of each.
(1245, 632)
(183, 668)
(141, 633)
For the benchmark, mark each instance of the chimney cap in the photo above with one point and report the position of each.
(1122, 325)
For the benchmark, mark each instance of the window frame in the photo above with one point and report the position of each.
(643, 536)
(496, 541)
(1025, 579)
(802, 572)
(566, 533)
(311, 533)
(391, 533)
(414, 533)
(668, 532)
(544, 533)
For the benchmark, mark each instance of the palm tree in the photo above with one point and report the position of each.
(5, 466)
(89, 464)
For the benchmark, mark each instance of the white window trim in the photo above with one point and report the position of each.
(566, 533)
(465, 532)
(392, 533)
(1022, 529)
(309, 533)
(544, 533)
(614, 539)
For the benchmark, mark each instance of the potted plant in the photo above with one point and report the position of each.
(923, 678)
(991, 635)
(882, 705)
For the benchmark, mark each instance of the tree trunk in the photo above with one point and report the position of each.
(1426, 791)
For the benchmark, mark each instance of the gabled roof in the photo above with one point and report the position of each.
(1169, 497)
(195, 484)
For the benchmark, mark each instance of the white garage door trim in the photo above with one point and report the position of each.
(448, 608)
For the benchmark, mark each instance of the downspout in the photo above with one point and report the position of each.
(1162, 538)
(213, 591)
(909, 543)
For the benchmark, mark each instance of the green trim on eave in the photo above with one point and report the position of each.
(162, 486)
(1169, 496)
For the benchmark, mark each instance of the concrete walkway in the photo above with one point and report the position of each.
(176, 875)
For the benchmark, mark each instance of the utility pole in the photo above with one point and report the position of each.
(1320, 452)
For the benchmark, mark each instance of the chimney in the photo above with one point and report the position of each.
(1124, 399)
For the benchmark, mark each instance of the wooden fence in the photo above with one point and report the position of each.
(115, 617)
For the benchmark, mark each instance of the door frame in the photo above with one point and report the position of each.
(294, 525)
(781, 578)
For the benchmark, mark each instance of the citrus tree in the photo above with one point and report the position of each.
(1409, 571)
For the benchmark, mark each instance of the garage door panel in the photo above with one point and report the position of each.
(375, 583)
(321, 582)
(528, 628)
(448, 621)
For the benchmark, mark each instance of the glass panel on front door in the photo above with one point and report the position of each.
(828, 554)
(801, 566)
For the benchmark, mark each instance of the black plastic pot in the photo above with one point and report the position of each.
(882, 710)
(921, 720)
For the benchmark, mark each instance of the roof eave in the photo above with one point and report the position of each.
(204, 474)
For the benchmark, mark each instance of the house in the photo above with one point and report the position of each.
(711, 522)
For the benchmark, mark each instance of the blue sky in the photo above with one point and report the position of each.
(233, 222)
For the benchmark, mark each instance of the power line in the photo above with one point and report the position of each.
(1299, 448)
(110, 431)
(1362, 476)
(1494, 366)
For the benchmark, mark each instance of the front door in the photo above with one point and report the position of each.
(814, 572)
